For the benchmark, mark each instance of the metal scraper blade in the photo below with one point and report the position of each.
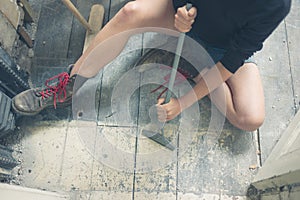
(158, 138)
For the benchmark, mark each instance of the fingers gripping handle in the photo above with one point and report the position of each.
(176, 61)
(188, 6)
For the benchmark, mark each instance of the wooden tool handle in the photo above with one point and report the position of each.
(77, 14)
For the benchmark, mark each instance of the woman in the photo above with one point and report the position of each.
(231, 31)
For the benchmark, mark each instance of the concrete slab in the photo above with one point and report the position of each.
(96, 195)
(207, 196)
(156, 166)
(229, 197)
(43, 150)
(153, 185)
(216, 161)
(273, 62)
(292, 23)
(53, 32)
(161, 179)
(155, 196)
(78, 161)
(113, 169)
(191, 196)
(40, 74)
(117, 74)
(294, 193)
(270, 197)
(113, 78)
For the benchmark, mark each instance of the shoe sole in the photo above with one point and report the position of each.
(61, 105)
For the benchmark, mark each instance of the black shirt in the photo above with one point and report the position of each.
(239, 26)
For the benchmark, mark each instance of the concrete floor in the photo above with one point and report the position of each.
(103, 158)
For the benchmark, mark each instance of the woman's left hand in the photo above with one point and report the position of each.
(168, 111)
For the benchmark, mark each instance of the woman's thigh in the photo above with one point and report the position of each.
(247, 91)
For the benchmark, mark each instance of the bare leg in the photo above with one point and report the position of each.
(135, 14)
(244, 98)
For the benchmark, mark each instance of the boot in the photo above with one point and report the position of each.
(33, 101)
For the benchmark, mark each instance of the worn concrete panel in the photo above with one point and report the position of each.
(293, 32)
(212, 161)
(114, 159)
(97, 195)
(156, 166)
(206, 196)
(153, 183)
(114, 72)
(110, 195)
(151, 80)
(39, 75)
(295, 193)
(217, 162)
(85, 102)
(270, 197)
(273, 62)
(78, 158)
(191, 196)
(230, 197)
(53, 33)
(155, 196)
(115, 77)
(238, 161)
(43, 148)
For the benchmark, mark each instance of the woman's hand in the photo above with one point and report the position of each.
(184, 19)
(169, 110)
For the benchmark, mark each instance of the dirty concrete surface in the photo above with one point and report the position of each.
(57, 153)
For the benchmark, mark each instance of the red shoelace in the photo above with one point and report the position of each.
(58, 90)
(181, 76)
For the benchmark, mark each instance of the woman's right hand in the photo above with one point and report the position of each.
(184, 19)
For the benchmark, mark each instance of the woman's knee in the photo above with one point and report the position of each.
(130, 8)
(145, 13)
(131, 12)
(250, 122)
